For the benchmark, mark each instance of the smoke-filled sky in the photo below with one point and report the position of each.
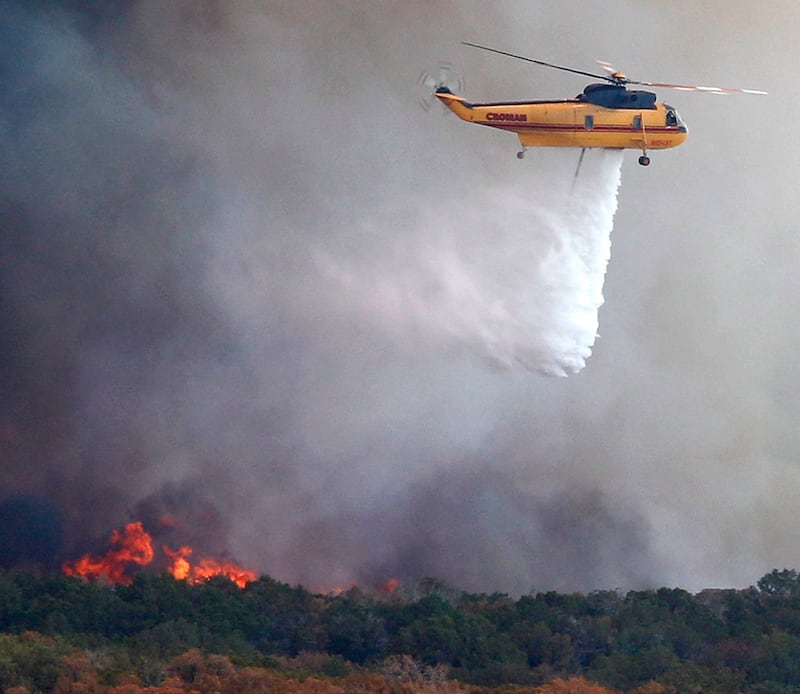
(257, 298)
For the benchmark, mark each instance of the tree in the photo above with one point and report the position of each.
(355, 630)
(780, 584)
(30, 659)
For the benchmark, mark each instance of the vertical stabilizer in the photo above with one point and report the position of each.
(457, 104)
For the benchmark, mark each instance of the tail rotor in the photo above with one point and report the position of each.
(446, 77)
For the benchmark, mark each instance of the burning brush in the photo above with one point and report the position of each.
(131, 549)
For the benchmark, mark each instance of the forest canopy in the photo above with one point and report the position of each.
(57, 632)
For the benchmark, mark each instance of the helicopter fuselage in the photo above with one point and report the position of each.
(602, 116)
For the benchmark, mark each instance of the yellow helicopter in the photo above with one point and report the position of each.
(605, 115)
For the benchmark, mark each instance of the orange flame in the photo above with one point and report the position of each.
(338, 590)
(205, 568)
(389, 587)
(130, 547)
(179, 567)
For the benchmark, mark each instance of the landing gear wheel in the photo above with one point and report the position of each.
(521, 154)
(644, 160)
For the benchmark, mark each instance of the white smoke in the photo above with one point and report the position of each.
(514, 275)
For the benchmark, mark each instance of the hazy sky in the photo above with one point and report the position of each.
(250, 285)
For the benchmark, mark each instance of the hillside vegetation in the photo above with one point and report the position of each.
(163, 635)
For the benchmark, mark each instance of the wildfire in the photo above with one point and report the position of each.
(179, 567)
(205, 568)
(132, 549)
(389, 587)
(338, 590)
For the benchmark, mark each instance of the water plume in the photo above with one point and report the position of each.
(514, 275)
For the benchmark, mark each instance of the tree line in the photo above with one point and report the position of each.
(59, 634)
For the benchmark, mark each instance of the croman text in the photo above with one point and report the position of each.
(506, 116)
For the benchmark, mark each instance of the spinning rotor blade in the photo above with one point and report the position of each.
(697, 88)
(538, 62)
(622, 79)
(446, 77)
(616, 76)
(444, 73)
(426, 80)
(619, 78)
(608, 67)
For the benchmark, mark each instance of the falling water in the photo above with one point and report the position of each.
(513, 277)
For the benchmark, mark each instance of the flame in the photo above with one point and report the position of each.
(130, 547)
(338, 590)
(389, 587)
(205, 568)
(179, 567)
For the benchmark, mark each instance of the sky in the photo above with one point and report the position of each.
(257, 298)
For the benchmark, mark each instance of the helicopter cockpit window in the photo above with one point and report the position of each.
(673, 118)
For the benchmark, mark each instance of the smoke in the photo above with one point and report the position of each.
(257, 299)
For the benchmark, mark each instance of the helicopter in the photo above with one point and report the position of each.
(604, 115)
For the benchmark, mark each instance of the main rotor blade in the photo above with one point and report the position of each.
(622, 79)
(698, 88)
(608, 67)
(539, 62)
(617, 77)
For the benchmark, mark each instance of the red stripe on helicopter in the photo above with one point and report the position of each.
(567, 127)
